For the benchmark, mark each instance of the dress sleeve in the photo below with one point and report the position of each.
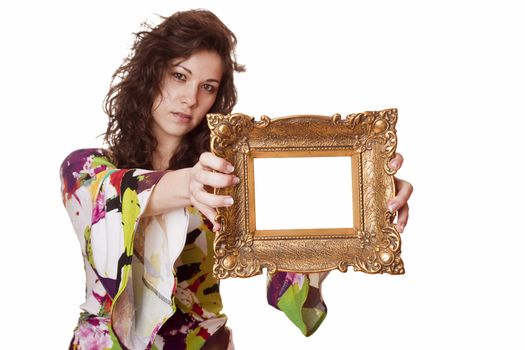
(299, 297)
(105, 205)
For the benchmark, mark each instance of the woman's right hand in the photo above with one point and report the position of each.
(203, 177)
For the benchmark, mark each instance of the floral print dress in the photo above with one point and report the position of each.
(149, 281)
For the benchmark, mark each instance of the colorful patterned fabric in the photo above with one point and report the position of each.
(149, 282)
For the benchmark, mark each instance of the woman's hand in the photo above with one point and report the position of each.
(202, 176)
(403, 192)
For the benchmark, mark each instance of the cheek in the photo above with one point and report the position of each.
(157, 103)
(207, 102)
(212, 101)
(202, 115)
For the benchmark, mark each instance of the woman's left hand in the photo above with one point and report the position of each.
(403, 192)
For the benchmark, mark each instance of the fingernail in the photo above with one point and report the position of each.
(401, 228)
(392, 206)
(394, 164)
(228, 201)
(230, 168)
(236, 180)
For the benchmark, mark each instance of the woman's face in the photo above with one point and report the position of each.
(188, 91)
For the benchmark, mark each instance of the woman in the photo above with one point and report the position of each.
(141, 211)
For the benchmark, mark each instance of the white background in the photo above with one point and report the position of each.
(298, 193)
(454, 69)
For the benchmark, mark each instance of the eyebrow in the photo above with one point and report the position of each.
(189, 71)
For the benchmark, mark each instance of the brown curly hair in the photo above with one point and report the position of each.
(137, 82)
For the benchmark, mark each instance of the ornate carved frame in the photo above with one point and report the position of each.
(373, 245)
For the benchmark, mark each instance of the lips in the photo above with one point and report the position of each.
(181, 117)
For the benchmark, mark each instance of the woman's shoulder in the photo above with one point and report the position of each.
(87, 158)
(83, 164)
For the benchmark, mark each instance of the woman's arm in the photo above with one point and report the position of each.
(171, 192)
(180, 188)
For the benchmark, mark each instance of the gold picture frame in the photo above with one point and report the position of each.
(372, 245)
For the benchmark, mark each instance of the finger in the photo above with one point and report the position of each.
(402, 218)
(404, 191)
(396, 162)
(217, 180)
(210, 213)
(212, 200)
(210, 160)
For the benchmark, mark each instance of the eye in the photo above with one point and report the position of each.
(179, 76)
(208, 87)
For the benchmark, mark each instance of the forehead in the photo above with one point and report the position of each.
(202, 64)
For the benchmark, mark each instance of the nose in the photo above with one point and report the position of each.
(189, 95)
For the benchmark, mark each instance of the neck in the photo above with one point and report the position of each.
(163, 154)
